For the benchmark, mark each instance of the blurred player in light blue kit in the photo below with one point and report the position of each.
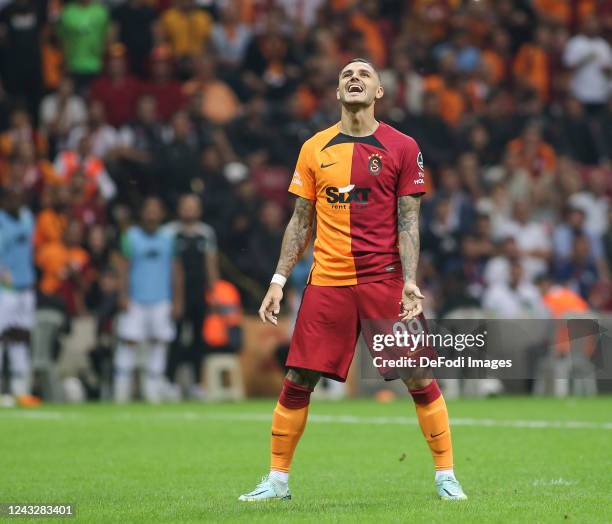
(151, 298)
(17, 282)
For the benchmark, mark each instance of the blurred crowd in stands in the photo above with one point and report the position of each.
(105, 102)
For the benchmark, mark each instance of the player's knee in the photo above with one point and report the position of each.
(417, 382)
(19, 361)
(124, 358)
(156, 361)
(304, 377)
(418, 378)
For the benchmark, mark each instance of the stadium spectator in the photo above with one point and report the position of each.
(162, 86)
(136, 27)
(432, 132)
(531, 65)
(142, 140)
(179, 165)
(534, 154)
(83, 161)
(219, 104)
(21, 129)
(60, 112)
(21, 26)
(514, 298)
(117, 89)
(403, 85)
(32, 174)
(564, 236)
(573, 133)
(186, 28)
(270, 65)
(230, 36)
(103, 137)
(579, 271)
(83, 30)
(594, 202)
(62, 264)
(266, 240)
(441, 236)
(531, 237)
(52, 219)
(589, 57)
(102, 263)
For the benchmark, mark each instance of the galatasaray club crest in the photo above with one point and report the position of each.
(375, 164)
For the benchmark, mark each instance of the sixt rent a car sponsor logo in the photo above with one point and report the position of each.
(347, 196)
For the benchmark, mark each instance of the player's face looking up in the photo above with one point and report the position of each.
(358, 85)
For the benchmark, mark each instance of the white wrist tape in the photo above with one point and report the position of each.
(278, 279)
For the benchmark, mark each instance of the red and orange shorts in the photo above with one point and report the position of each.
(331, 318)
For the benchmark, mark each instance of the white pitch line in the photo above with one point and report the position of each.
(324, 419)
(476, 422)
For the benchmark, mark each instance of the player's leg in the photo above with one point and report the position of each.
(323, 342)
(2, 346)
(161, 330)
(433, 418)
(379, 309)
(124, 362)
(130, 333)
(154, 373)
(288, 423)
(20, 369)
(289, 419)
(20, 321)
(175, 353)
(197, 349)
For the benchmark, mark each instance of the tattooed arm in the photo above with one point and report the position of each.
(297, 235)
(296, 239)
(408, 234)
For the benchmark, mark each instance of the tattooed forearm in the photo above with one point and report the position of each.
(297, 235)
(408, 234)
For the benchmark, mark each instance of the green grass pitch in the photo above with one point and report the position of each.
(519, 460)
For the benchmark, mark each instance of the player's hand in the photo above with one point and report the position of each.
(411, 304)
(270, 306)
(5, 279)
(124, 302)
(177, 310)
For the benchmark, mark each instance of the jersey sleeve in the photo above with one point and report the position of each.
(411, 179)
(303, 181)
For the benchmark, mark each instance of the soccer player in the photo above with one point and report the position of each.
(17, 281)
(363, 181)
(196, 248)
(151, 295)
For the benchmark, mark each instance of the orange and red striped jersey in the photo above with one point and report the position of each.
(355, 182)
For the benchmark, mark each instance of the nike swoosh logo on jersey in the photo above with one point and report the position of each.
(323, 166)
(437, 434)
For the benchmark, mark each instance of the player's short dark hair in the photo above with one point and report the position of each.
(363, 61)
